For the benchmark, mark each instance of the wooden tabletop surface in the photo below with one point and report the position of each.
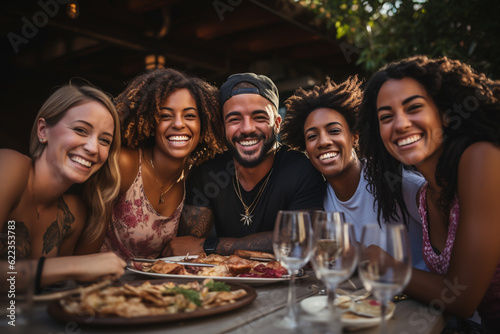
(260, 316)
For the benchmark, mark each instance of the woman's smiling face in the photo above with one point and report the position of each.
(78, 145)
(411, 125)
(179, 127)
(329, 142)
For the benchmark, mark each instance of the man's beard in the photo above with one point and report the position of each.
(268, 146)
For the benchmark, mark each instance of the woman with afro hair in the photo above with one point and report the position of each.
(321, 122)
(443, 118)
(168, 123)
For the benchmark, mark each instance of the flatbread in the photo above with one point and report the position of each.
(149, 300)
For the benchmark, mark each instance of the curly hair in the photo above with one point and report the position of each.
(467, 100)
(344, 98)
(139, 108)
(103, 186)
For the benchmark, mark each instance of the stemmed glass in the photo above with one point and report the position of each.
(384, 263)
(334, 256)
(292, 243)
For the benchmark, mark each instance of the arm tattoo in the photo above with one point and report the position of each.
(60, 228)
(195, 221)
(23, 244)
(261, 242)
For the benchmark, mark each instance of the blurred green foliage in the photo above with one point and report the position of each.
(378, 32)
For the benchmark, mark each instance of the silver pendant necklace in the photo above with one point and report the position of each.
(246, 217)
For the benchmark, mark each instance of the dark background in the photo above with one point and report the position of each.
(107, 44)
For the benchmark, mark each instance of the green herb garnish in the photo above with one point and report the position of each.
(189, 294)
(217, 286)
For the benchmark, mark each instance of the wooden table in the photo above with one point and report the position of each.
(259, 317)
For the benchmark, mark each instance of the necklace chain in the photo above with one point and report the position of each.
(247, 217)
(48, 208)
(180, 178)
(34, 198)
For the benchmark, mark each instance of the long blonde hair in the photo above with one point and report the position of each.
(102, 187)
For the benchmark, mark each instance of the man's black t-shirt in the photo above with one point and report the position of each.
(294, 184)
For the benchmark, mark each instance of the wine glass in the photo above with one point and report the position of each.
(334, 256)
(384, 263)
(292, 243)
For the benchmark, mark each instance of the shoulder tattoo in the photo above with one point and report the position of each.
(60, 228)
(22, 240)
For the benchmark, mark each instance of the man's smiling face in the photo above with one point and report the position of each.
(251, 125)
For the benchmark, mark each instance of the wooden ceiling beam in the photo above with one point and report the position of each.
(273, 38)
(144, 6)
(288, 13)
(243, 19)
(314, 50)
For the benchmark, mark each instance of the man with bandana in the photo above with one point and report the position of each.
(241, 191)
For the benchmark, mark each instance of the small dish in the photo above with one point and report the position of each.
(317, 307)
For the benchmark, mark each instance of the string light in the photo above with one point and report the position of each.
(73, 9)
(154, 61)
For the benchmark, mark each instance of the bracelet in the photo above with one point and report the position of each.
(38, 275)
(210, 245)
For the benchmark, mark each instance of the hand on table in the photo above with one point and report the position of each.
(184, 245)
(94, 266)
(83, 268)
(376, 254)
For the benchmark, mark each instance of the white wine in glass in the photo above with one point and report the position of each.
(334, 257)
(384, 262)
(292, 243)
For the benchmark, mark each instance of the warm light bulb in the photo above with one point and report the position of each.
(154, 61)
(73, 9)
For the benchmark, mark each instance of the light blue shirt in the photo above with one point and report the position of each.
(359, 210)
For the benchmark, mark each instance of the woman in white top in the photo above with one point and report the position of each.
(320, 122)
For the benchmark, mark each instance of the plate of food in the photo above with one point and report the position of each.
(355, 314)
(233, 268)
(151, 302)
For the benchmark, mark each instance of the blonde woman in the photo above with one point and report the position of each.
(75, 140)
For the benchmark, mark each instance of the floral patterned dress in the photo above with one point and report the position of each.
(136, 229)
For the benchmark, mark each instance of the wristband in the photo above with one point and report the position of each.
(210, 245)
(38, 275)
